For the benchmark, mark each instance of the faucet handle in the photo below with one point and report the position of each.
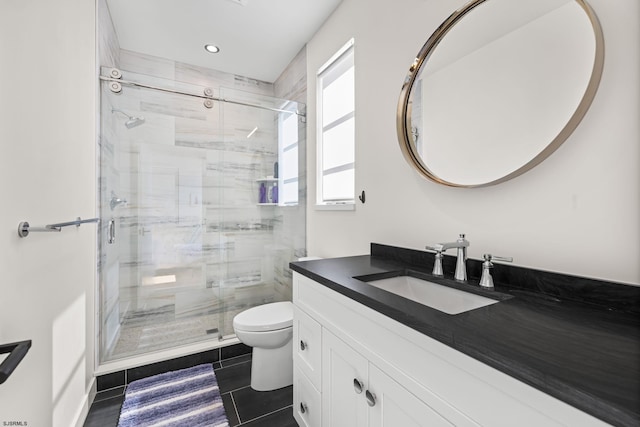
(489, 257)
(486, 281)
(437, 265)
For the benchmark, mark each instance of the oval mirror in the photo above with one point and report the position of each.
(498, 87)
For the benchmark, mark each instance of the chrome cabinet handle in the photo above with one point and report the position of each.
(371, 398)
(303, 345)
(357, 385)
(112, 231)
(303, 407)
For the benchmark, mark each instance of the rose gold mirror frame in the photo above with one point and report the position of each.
(407, 144)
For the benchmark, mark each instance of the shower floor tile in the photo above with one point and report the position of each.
(137, 337)
(158, 329)
(243, 405)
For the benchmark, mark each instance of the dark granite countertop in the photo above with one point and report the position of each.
(576, 339)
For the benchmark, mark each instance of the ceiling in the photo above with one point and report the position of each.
(257, 38)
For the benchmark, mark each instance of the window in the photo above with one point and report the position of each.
(336, 130)
(288, 157)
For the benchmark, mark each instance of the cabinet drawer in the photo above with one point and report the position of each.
(307, 346)
(307, 408)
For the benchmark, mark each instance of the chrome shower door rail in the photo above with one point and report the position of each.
(208, 96)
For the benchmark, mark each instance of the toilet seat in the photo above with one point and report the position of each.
(267, 317)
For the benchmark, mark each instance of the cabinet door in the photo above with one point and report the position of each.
(344, 382)
(393, 405)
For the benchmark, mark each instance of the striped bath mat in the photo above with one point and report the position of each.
(189, 397)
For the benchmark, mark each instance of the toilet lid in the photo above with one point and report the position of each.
(267, 317)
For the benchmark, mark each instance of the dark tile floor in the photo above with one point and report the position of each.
(243, 405)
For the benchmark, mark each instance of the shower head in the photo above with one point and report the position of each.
(132, 122)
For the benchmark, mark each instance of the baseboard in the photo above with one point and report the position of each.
(86, 404)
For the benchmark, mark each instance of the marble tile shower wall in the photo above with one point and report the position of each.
(189, 175)
(292, 84)
(172, 70)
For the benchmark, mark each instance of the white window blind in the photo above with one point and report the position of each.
(336, 128)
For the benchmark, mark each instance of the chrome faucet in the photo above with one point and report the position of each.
(461, 266)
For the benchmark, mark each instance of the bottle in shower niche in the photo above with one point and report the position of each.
(270, 194)
(274, 193)
(262, 198)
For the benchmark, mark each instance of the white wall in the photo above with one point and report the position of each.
(47, 174)
(576, 213)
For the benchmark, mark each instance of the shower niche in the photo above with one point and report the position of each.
(268, 191)
(189, 244)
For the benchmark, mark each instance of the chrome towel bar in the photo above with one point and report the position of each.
(24, 228)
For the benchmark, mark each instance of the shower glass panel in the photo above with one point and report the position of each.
(186, 241)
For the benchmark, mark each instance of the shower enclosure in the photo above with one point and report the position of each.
(202, 208)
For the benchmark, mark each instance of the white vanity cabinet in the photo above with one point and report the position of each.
(356, 367)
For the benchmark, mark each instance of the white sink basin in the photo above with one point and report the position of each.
(443, 298)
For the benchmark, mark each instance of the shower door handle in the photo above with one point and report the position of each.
(111, 231)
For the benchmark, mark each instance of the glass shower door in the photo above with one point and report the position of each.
(261, 235)
(187, 241)
(156, 290)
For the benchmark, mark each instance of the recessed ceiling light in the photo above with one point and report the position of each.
(211, 48)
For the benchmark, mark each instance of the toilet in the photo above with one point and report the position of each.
(268, 329)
